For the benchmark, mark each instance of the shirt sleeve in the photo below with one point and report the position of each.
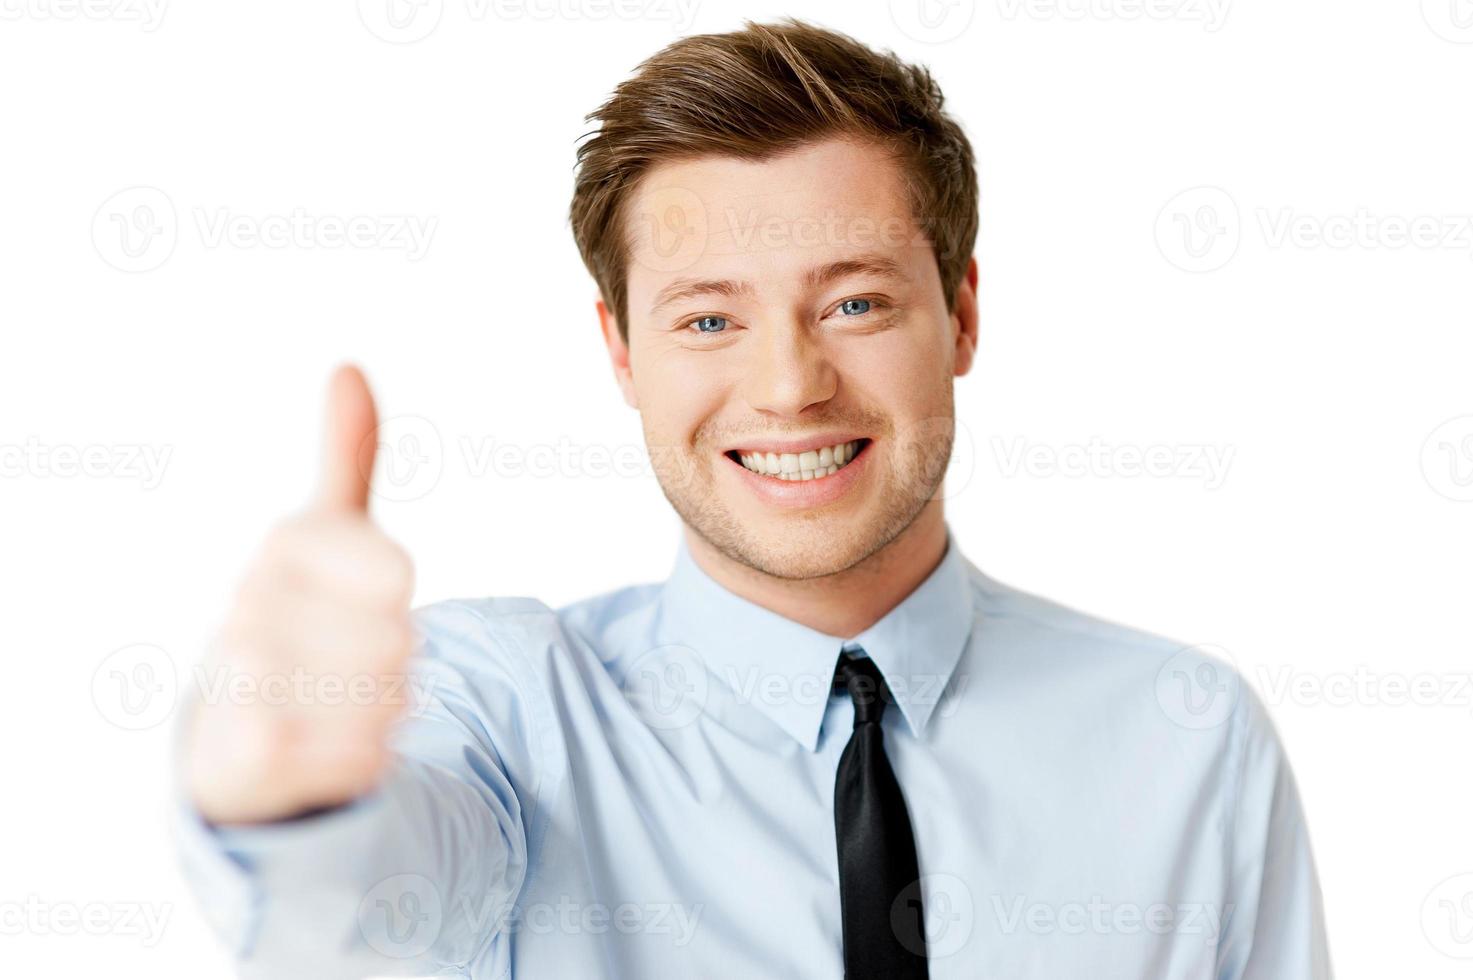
(416, 877)
(1274, 923)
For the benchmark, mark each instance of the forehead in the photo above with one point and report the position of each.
(717, 216)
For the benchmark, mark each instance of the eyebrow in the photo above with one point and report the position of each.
(680, 289)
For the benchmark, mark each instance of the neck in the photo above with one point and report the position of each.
(845, 603)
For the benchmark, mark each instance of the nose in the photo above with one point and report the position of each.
(789, 372)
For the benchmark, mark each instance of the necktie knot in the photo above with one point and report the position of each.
(866, 688)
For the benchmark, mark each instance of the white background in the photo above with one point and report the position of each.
(1297, 334)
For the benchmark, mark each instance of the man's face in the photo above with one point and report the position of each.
(787, 315)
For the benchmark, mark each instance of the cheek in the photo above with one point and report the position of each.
(901, 371)
(678, 393)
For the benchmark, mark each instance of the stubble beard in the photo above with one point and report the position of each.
(817, 543)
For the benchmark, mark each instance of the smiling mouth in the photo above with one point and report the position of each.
(815, 464)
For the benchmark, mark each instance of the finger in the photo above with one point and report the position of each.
(342, 555)
(350, 443)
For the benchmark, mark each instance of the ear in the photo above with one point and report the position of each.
(618, 352)
(964, 319)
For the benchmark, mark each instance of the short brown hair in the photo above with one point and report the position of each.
(753, 94)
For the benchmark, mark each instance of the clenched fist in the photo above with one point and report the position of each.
(326, 599)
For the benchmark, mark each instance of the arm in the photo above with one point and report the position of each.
(411, 878)
(335, 820)
(1274, 924)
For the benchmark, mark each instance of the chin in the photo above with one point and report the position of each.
(794, 558)
(798, 547)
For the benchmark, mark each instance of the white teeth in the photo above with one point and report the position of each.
(810, 465)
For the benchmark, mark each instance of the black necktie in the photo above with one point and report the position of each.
(884, 927)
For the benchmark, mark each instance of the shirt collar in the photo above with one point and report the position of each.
(784, 669)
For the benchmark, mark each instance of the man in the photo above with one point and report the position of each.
(827, 745)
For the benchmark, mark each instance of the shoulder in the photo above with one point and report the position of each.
(1167, 691)
(610, 613)
(1130, 700)
(1062, 630)
(473, 628)
(468, 631)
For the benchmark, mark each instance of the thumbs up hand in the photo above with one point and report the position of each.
(320, 626)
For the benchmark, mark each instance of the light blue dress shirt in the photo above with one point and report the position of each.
(640, 785)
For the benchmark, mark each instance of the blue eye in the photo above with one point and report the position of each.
(709, 324)
(854, 307)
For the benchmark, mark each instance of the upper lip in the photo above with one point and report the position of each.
(794, 446)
